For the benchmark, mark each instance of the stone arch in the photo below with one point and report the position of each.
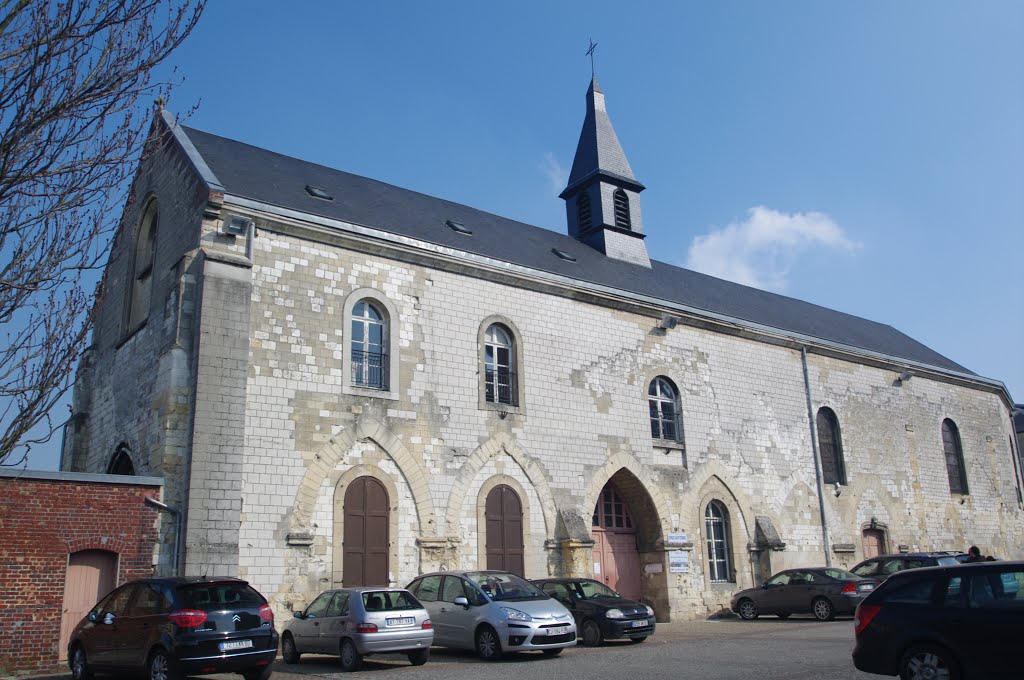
(334, 452)
(640, 491)
(496, 445)
(338, 529)
(717, 488)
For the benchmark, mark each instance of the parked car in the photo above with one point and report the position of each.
(173, 627)
(357, 622)
(600, 612)
(958, 622)
(822, 591)
(493, 612)
(882, 566)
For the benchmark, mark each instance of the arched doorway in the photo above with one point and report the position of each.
(616, 557)
(504, 533)
(874, 543)
(365, 543)
(91, 574)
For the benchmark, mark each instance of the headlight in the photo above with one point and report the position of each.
(650, 612)
(614, 614)
(515, 614)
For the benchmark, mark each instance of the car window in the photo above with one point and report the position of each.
(954, 596)
(558, 591)
(339, 605)
(589, 590)
(318, 607)
(476, 598)
(149, 600)
(117, 602)
(918, 562)
(947, 560)
(389, 600)
(891, 566)
(869, 568)
(781, 579)
(428, 588)
(505, 586)
(220, 596)
(918, 591)
(840, 574)
(996, 590)
(452, 589)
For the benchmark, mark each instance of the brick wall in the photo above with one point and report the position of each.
(44, 518)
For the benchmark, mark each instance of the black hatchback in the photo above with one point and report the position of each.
(173, 627)
(949, 623)
(600, 612)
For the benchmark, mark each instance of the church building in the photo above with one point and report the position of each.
(343, 382)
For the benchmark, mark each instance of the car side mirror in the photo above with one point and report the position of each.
(765, 585)
(461, 601)
(298, 615)
(108, 618)
(93, 617)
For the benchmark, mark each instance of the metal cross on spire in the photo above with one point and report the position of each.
(590, 53)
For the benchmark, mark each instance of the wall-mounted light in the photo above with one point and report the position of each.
(838, 491)
(668, 321)
(904, 377)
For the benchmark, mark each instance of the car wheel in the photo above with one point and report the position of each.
(591, 633)
(79, 664)
(488, 646)
(928, 662)
(261, 673)
(289, 652)
(823, 609)
(161, 666)
(351, 659)
(748, 610)
(638, 640)
(552, 652)
(419, 657)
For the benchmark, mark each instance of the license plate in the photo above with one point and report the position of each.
(639, 624)
(235, 644)
(867, 586)
(561, 630)
(401, 621)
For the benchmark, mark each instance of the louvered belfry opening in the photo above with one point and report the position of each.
(621, 209)
(583, 212)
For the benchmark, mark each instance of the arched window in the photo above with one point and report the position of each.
(121, 462)
(663, 403)
(369, 345)
(499, 366)
(583, 211)
(830, 446)
(140, 283)
(716, 529)
(621, 202)
(954, 457)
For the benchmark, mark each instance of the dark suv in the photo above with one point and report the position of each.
(883, 566)
(172, 627)
(955, 623)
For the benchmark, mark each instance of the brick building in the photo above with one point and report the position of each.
(65, 540)
(342, 381)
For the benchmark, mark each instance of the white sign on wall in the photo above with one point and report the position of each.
(679, 561)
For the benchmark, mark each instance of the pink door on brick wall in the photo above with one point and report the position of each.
(91, 574)
(874, 540)
(616, 559)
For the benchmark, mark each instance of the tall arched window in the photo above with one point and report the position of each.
(121, 462)
(830, 446)
(583, 211)
(716, 530)
(499, 366)
(954, 457)
(621, 202)
(663, 403)
(141, 277)
(369, 345)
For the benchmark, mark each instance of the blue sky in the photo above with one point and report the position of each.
(865, 156)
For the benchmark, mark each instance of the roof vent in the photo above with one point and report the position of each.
(458, 227)
(564, 255)
(317, 192)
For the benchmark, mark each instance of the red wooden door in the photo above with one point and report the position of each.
(873, 541)
(91, 574)
(616, 559)
(365, 543)
(504, 535)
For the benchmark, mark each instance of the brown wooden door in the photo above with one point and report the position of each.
(504, 535)
(616, 559)
(365, 547)
(91, 574)
(874, 540)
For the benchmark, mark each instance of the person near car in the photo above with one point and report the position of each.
(974, 554)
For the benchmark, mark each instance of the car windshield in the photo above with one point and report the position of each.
(948, 560)
(592, 590)
(216, 596)
(389, 601)
(503, 586)
(841, 574)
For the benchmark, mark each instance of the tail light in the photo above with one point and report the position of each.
(366, 627)
(266, 614)
(188, 618)
(427, 625)
(863, 616)
(849, 588)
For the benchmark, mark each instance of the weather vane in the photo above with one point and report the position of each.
(590, 53)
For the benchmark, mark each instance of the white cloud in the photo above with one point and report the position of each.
(761, 250)
(557, 176)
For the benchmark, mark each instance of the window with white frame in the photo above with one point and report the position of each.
(499, 366)
(716, 530)
(663, 402)
(369, 346)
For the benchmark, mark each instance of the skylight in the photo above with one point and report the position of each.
(458, 227)
(564, 255)
(317, 192)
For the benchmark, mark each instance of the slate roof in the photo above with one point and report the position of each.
(249, 172)
(599, 149)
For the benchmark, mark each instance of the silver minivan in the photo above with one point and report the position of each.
(357, 622)
(493, 612)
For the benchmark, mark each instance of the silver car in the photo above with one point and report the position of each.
(493, 612)
(357, 622)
